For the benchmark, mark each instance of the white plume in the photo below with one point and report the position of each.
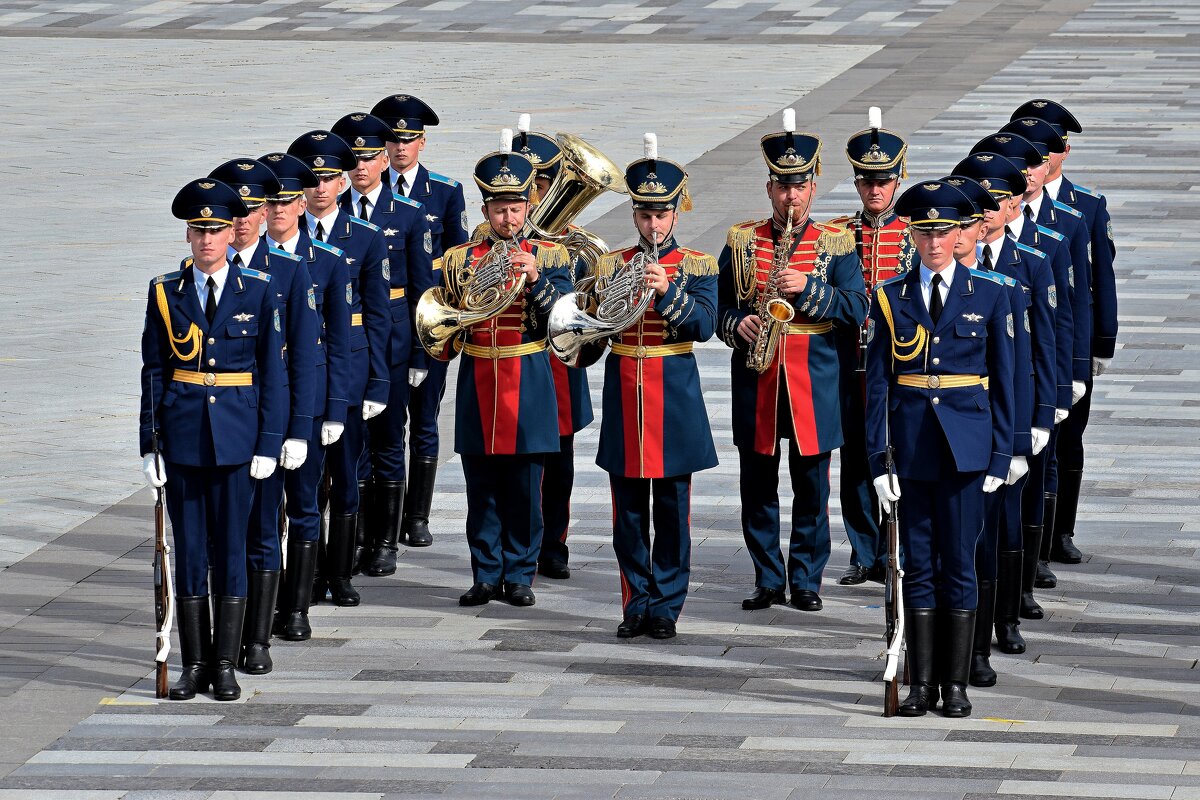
(506, 140)
(789, 120)
(650, 144)
(523, 123)
(874, 117)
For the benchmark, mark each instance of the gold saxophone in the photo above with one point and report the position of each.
(774, 313)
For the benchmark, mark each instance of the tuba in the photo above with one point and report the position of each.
(487, 288)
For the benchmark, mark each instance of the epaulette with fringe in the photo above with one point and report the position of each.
(843, 221)
(610, 262)
(697, 263)
(834, 239)
(481, 232)
(551, 255)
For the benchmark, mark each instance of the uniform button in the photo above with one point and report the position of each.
(213, 398)
(244, 332)
(212, 340)
(937, 340)
(936, 361)
(936, 400)
(212, 362)
(972, 333)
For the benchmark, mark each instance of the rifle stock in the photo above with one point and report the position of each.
(893, 604)
(162, 599)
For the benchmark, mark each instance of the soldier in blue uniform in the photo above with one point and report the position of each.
(365, 253)
(214, 397)
(329, 275)
(796, 396)
(445, 209)
(292, 287)
(1068, 450)
(940, 400)
(410, 271)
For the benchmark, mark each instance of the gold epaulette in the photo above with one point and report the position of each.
(834, 239)
(741, 257)
(697, 263)
(551, 255)
(841, 222)
(609, 263)
(481, 232)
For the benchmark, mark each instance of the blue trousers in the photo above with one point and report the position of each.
(384, 454)
(262, 532)
(209, 508)
(809, 546)
(940, 522)
(504, 516)
(856, 491)
(303, 486)
(654, 575)
(343, 459)
(424, 403)
(1001, 528)
(557, 482)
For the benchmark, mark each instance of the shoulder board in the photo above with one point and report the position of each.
(254, 273)
(170, 276)
(834, 239)
(1087, 191)
(187, 262)
(433, 176)
(408, 201)
(481, 232)
(1053, 234)
(994, 277)
(893, 279)
(364, 223)
(697, 263)
(275, 251)
(1027, 249)
(328, 247)
(1064, 207)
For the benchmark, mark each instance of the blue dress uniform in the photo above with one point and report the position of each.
(446, 212)
(940, 398)
(211, 425)
(410, 264)
(365, 253)
(884, 247)
(506, 412)
(654, 432)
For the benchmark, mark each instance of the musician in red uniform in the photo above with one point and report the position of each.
(506, 412)
(654, 431)
(886, 250)
(794, 395)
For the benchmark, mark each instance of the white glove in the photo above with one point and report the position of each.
(1099, 366)
(294, 453)
(991, 483)
(261, 467)
(1017, 469)
(888, 494)
(1060, 414)
(154, 469)
(417, 376)
(331, 432)
(1078, 390)
(1041, 437)
(372, 409)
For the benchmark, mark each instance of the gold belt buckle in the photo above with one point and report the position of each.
(210, 379)
(640, 352)
(934, 381)
(495, 352)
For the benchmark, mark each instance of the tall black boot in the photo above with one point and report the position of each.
(195, 647)
(1062, 546)
(422, 474)
(958, 626)
(1013, 566)
(389, 497)
(1031, 542)
(982, 673)
(320, 587)
(1044, 578)
(227, 643)
(293, 607)
(256, 632)
(364, 529)
(919, 626)
(340, 550)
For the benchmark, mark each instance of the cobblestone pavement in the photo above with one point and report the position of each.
(411, 696)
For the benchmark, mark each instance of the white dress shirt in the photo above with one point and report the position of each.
(372, 198)
(327, 222)
(1035, 204)
(289, 245)
(997, 246)
(244, 255)
(201, 281)
(927, 282)
(1016, 226)
(1053, 187)
(410, 177)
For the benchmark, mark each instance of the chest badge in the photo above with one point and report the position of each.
(973, 317)
(243, 317)
(390, 232)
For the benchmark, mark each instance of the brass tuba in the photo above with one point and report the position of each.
(487, 288)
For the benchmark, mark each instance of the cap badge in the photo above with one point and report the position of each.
(931, 187)
(275, 157)
(206, 212)
(403, 98)
(985, 183)
(359, 142)
(401, 123)
(244, 167)
(789, 158)
(932, 213)
(505, 177)
(320, 137)
(1029, 123)
(318, 161)
(955, 181)
(1003, 139)
(358, 117)
(206, 185)
(1040, 104)
(875, 156)
(984, 157)
(244, 191)
(652, 185)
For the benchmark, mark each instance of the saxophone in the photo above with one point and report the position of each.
(774, 313)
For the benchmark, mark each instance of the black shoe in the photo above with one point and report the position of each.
(518, 594)
(554, 568)
(291, 621)
(227, 641)
(422, 473)
(195, 647)
(389, 499)
(1064, 551)
(633, 625)
(1062, 545)
(478, 595)
(957, 627)
(1009, 639)
(662, 628)
(1013, 570)
(256, 632)
(806, 600)
(340, 551)
(877, 574)
(854, 575)
(955, 703)
(1043, 578)
(764, 598)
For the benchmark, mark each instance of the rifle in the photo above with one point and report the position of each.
(861, 366)
(164, 589)
(893, 600)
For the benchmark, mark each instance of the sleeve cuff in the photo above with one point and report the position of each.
(335, 410)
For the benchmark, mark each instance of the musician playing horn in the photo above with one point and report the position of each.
(500, 290)
(654, 430)
(784, 282)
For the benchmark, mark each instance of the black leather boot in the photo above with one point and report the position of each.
(227, 643)
(422, 474)
(982, 673)
(297, 593)
(256, 632)
(320, 587)
(1031, 543)
(195, 647)
(958, 627)
(1062, 545)
(1044, 578)
(340, 550)
(919, 632)
(389, 500)
(364, 528)
(1008, 599)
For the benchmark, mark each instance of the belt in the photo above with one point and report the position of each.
(396, 294)
(213, 378)
(941, 381)
(652, 350)
(356, 319)
(504, 350)
(798, 328)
